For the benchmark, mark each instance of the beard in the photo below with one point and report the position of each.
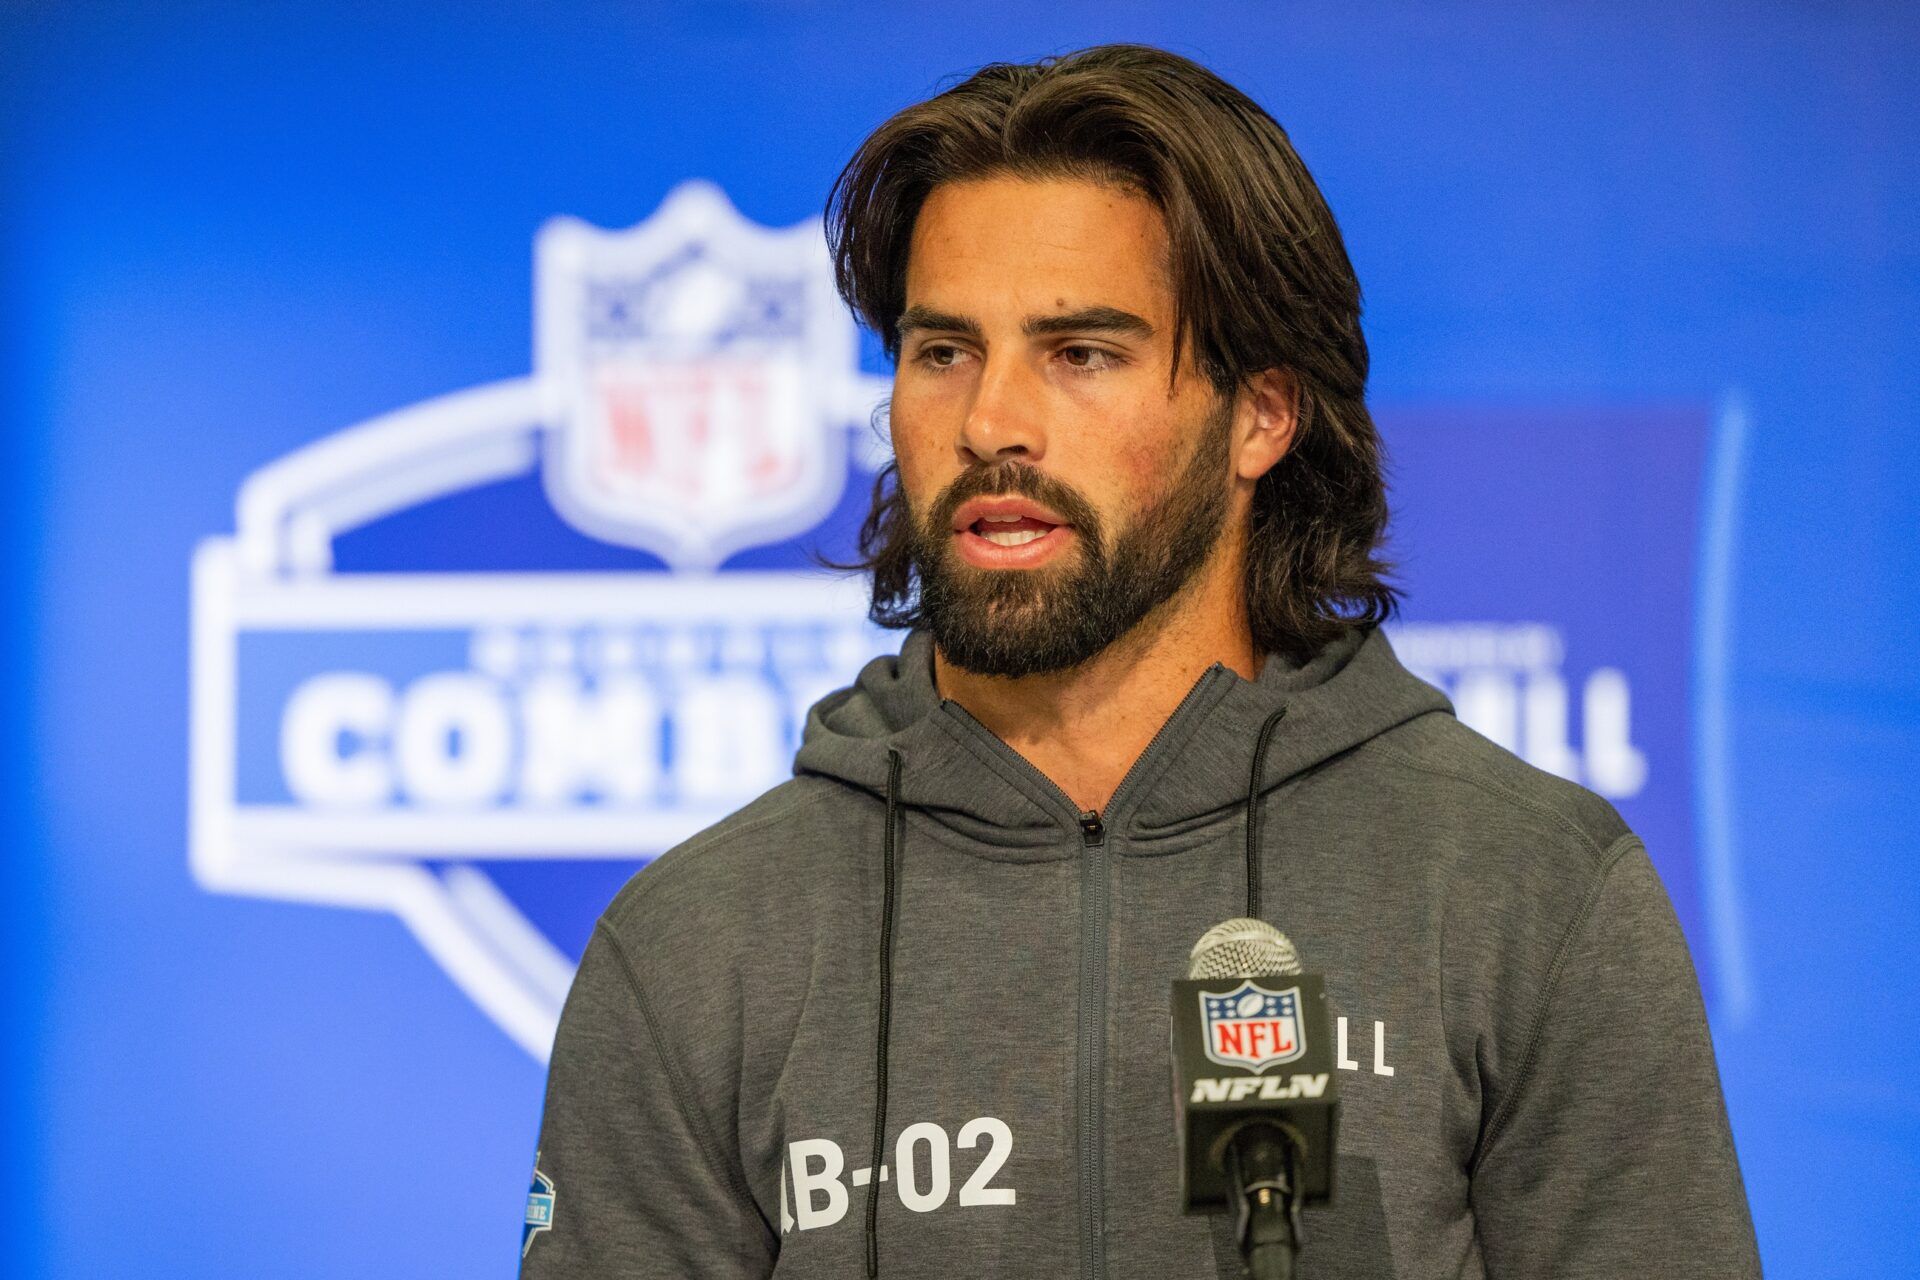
(1023, 622)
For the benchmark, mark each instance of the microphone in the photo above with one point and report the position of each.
(1255, 1104)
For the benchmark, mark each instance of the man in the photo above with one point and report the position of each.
(1132, 524)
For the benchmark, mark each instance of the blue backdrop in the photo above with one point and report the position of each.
(1643, 297)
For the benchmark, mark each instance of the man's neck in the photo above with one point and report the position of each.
(1085, 727)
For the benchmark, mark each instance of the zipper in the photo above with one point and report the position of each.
(1095, 888)
(1095, 883)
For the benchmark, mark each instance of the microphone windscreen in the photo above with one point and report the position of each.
(1242, 949)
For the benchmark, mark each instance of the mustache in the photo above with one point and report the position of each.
(1023, 479)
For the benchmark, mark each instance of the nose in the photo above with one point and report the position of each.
(1003, 421)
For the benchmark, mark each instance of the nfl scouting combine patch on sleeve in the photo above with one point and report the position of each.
(540, 1202)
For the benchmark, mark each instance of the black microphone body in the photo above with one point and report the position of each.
(1260, 1161)
(1256, 1103)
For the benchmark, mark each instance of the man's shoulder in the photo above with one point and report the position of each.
(726, 877)
(1459, 781)
(723, 922)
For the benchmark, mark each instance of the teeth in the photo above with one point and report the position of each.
(1012, 537)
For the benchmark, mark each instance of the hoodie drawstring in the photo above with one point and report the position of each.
(1253, 812)
(886, 1016)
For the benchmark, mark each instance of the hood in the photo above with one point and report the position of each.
(954, 768)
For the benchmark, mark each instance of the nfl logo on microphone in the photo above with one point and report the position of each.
(1251, 1027)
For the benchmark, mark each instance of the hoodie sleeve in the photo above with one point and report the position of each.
(636, 1183)
(1611, 1156)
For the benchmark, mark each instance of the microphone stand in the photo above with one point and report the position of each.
(1260, 1166)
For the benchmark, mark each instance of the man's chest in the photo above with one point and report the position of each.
(1029, 1114)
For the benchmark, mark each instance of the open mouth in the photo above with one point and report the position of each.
(1011, 531)
(1006, 531)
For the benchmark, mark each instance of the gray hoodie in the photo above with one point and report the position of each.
(1528, 1087)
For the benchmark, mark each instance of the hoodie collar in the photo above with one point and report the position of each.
(1196, 766)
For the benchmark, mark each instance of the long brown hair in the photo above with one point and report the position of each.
(1261, 281)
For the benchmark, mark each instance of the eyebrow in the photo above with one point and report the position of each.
(1089, 320)
(938, 321)
(1086, 320)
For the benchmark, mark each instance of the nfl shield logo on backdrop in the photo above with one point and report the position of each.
(681, 362)
(1251, 1027)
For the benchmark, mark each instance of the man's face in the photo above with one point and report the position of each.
(1058, 491)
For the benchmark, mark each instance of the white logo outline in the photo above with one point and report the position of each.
(276, 571)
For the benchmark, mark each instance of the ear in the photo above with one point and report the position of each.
(1269, 414)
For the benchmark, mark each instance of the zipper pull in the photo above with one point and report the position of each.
(1092, 830)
